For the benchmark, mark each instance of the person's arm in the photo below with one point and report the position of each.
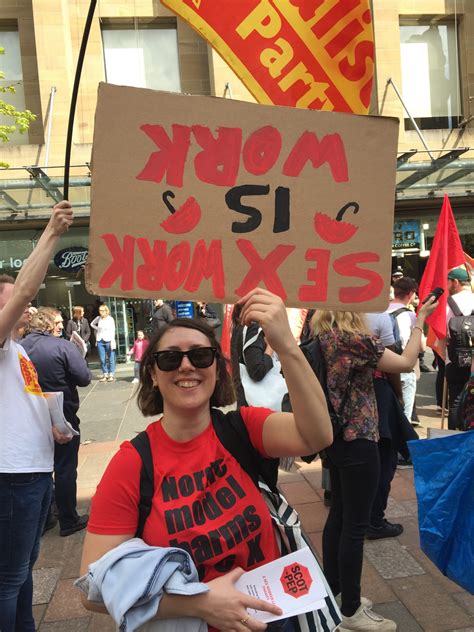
(69, 329)
(77, 370)
(222, 606)
(392, 362)
(308, 429)
(33, 272)
(95, 323)
(256, 360)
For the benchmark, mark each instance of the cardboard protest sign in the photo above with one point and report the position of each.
(305, 53)
(206, 198)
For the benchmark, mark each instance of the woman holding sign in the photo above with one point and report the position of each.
(204, 501)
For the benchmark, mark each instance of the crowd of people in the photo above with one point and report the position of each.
(204, 503)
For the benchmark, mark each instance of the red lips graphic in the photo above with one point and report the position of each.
(335, 231)
(184, 219)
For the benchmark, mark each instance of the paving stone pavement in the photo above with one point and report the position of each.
(404, 585)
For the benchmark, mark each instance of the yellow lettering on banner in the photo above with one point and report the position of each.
(317, 91)
(275, 60)
(316, 46)
(300, 73)
(264, 19)
(197, 3)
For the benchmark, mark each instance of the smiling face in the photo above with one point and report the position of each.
(187, 387)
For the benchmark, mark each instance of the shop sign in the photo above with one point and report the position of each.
(184, 309)
(71, 259)
(406, 235)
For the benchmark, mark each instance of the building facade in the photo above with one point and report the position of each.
(424, 75)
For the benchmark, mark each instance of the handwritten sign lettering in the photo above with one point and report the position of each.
(202, 198)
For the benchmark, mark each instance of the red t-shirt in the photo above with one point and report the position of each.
(204, 501)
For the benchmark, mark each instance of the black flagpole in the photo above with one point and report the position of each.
(75, 90)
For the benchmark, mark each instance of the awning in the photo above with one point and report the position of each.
(31, 191)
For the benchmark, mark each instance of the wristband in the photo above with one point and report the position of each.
(419, 328)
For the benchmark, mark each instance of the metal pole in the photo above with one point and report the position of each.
(418, 131)
(70, 302)
(75, 90)
(443, 402)
(50, 125)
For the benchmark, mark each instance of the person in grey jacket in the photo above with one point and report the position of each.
(162, 314)
(60, 367)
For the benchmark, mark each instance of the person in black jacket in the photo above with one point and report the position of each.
(79, 324)
(257, 357)
(60, 367)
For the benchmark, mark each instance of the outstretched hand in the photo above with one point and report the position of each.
(61, 218)
(225, 608)
(268, 310)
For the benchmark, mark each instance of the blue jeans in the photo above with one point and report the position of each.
(408, 381)
(136, 370)
(24, 505)
(106, 356)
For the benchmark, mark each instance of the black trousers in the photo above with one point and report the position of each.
(388, 456)
(354, 469)
(440, 381)
(456, 379)
(65, 479)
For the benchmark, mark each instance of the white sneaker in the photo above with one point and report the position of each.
(365, 620)
(135, 380)
(364, 601)
(103, 378)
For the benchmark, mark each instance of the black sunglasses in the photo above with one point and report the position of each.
(200, 358)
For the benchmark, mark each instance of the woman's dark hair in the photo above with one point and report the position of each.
(149, 398)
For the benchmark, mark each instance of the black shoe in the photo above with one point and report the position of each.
(386, 530)
(51, 522)
(78, 526)
(404, 463)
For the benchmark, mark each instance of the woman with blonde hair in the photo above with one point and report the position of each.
(351, 355)
(104, 326)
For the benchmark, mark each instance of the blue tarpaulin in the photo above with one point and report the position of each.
(444, 483)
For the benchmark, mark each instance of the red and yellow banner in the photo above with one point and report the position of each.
(305, 53)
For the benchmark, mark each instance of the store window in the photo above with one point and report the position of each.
(430, 74)
(142, 55)
(10, 65)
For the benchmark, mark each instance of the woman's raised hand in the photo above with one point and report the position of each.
(427, 308)
(268, 310)
(225, 608)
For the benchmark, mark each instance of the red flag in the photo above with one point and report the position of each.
(446, 254)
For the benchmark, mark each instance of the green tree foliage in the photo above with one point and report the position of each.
(20, 121)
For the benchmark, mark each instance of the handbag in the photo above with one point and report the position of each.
(269, 392)
(232, 433)
(444, 471)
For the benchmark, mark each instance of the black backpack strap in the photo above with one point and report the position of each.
(141, 443)
(399, 311)
(232, 432)
(454, 306)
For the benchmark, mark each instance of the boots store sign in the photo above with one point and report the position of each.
(71, 259)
